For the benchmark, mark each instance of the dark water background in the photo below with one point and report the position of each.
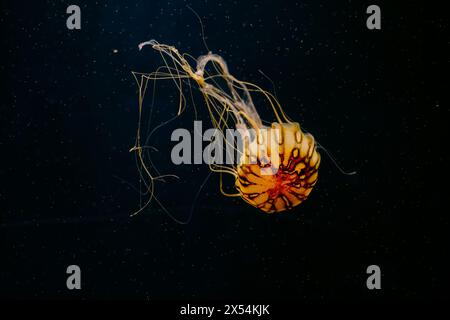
(68, 119)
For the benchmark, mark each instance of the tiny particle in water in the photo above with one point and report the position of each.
(115, 50)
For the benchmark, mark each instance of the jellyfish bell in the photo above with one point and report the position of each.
(278, 164)
(285, 171)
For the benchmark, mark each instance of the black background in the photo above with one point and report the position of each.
(68, 119)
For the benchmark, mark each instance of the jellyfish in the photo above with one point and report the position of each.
(278, 163)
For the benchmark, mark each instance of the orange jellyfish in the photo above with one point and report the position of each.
(278, 164)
